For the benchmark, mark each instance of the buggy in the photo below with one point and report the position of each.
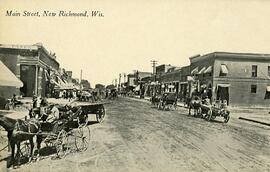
(210, 112)
(168, 101)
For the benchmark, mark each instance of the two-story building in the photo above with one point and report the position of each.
(31, 64)
(243, 79)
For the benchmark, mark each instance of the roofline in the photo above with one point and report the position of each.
(34, 47)
(256, 56)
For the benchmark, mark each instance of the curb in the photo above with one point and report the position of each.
(252, 120)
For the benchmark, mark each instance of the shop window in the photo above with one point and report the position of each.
(253, 89)
(254, 71)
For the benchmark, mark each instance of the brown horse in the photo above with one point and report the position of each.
(18, 131)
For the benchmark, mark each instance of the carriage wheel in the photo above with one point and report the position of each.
(25, 149)
(209, 115)
(100, 115)
(226, 118)
(61, 144)
(199, 112)
(83, 119)
(82, 138)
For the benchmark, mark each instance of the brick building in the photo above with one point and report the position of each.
(29, 63)
(243, 79)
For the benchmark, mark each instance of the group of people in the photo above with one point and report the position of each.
(43, 111)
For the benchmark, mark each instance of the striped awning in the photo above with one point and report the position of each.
(202, 70)
(195, 71)
(208, 70)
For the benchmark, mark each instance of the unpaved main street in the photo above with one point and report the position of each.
(137, 137)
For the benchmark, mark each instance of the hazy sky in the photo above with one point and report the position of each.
(132, 33)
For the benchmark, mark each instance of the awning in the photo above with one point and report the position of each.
(223, 69)
(202, 70)
(268, 88)
(190, 78)
(137, 88)
(195, 71)
(7, 78)
(223, 85)
(208, 70)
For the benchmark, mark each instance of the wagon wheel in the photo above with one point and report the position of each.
(199, 112)
(100, 115)
(61, 144)
(25, 149)
(159, 105)
(226, 117)
(175, 106)
(82, 119)
(209, 115)
(82, 138)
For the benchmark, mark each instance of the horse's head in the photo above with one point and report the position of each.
(31, 125)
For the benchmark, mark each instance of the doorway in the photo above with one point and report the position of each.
(223, 93)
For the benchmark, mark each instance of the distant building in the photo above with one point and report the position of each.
(163, 69)
(32, 64)
(85, 84)
(242, 79)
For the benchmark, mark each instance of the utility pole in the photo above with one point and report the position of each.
(116, 82)
(125, 77)
(154, 62)
(119, 80)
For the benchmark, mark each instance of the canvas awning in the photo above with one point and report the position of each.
(194, 71)
(7, 78)
(190, 78)
(223, 85)
(202, 70)
(208, 70)
(268, 88)
(137, 88)
(223, 69)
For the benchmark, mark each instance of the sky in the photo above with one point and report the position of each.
(132, 33)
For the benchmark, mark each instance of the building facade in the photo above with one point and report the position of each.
(242, 79)
(31, 64)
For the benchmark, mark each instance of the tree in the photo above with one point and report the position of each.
(100, 86)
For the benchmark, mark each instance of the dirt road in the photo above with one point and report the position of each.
(136, 137)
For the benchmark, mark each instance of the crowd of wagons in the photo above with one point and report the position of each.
(197, 106)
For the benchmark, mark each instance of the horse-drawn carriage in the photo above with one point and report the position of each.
(67, 131)
(210, 112)
(65, 135)
(168, 101)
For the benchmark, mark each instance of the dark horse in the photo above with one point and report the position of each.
(18, 131)
(155, 99)
(195, 104)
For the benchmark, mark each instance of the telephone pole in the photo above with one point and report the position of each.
(154, 62)
(119, 80)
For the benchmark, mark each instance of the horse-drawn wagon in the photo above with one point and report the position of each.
(168, 101)
(219, 109)
(92, 108)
